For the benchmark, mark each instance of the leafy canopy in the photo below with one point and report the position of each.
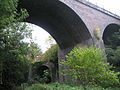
(88, 67)
(113, 49)
(14, 62)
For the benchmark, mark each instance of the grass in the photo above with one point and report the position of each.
(58, 86)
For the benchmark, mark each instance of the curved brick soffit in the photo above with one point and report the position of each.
(59, 20)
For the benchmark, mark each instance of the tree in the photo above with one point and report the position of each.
(89, 68)
(51, 54)
(13, 51)
(34, 50)
(112, 45)
(14, 61)
(113, 48)
(50, 41)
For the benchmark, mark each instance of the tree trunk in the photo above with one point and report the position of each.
(1, 70)
(30, 73)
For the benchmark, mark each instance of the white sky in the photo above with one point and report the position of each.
(40, 35)
(111, 5)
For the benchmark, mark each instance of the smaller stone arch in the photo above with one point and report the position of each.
(108, 32)
(112, 43)
(41, 72)
(53, 68)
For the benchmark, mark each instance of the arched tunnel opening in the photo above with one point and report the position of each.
(111, 38)
(44, 73)
(109, 32)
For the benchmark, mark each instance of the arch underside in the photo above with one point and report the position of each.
(59, 20)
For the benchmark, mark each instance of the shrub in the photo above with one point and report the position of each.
(88, 66)
(112, 48)
(58, 86)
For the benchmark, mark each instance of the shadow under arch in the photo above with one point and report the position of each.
(109, 31)
(60, 21)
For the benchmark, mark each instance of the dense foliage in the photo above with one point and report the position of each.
(14, 53)
(58, 86)
(88, 67)
(113, 50)
(35, 71)
(34, 50)
(51, 54)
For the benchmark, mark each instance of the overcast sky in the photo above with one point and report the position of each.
(111, 5)
(41, 35)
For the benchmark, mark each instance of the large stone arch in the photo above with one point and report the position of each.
(59, 20)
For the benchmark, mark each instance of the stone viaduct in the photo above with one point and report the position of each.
(72, 22)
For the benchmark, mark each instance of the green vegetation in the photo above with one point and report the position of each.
(39, 75)
(15, 53)
(88, 67)
(113, 50)
(34, 50)
(12, 60)
(51, 54)
(58, 86)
